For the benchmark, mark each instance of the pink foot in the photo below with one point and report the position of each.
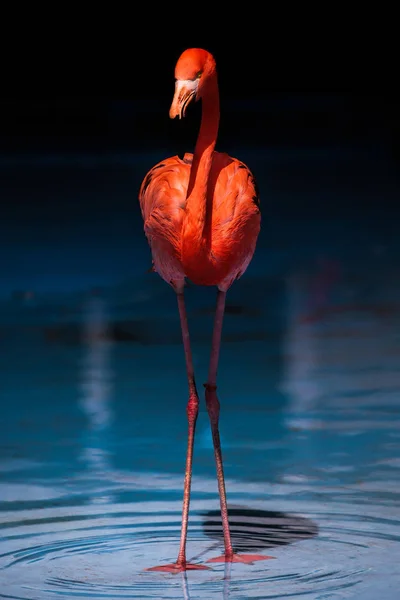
(248, 559)
(178, 567)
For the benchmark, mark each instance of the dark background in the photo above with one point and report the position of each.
(316, 120)
(280, 85)
(257, 115)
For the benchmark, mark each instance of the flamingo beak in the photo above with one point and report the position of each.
(185, 91)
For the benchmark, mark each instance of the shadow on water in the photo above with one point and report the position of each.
(255, 529)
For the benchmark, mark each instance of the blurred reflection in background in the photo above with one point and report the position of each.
(341, 372)
(96, 386)
(300, 351)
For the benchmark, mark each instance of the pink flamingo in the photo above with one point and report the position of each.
(202, 219)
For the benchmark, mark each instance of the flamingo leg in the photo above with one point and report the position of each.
(213, 409)
(192, 411)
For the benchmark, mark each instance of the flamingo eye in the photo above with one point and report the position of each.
(199, 74)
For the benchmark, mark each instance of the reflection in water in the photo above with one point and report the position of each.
(349, 351)
(321, 287)
(341, 380)
(226, 588)
(185, 586)
(300, 352)
(227, 581)
(96, 387)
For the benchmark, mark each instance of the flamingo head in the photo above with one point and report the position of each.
(194, 70)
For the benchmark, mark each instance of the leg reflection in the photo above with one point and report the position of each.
(226, 583)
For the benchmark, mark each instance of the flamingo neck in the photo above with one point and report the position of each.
(198, 206)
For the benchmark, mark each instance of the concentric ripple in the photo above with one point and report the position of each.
(78, 553)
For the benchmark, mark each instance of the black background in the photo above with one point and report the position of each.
(282, 83)
(299, 85)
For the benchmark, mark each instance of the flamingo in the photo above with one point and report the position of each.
(202, 219)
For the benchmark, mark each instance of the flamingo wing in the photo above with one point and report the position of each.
(236, 214)
(162, 199)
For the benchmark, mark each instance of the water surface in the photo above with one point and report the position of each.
(93, 425)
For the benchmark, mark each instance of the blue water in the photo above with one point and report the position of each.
(93, 396)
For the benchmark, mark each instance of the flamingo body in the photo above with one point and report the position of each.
(230, 239)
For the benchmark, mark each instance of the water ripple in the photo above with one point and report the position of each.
(92, 555)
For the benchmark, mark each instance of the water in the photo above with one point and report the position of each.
(93, 429)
